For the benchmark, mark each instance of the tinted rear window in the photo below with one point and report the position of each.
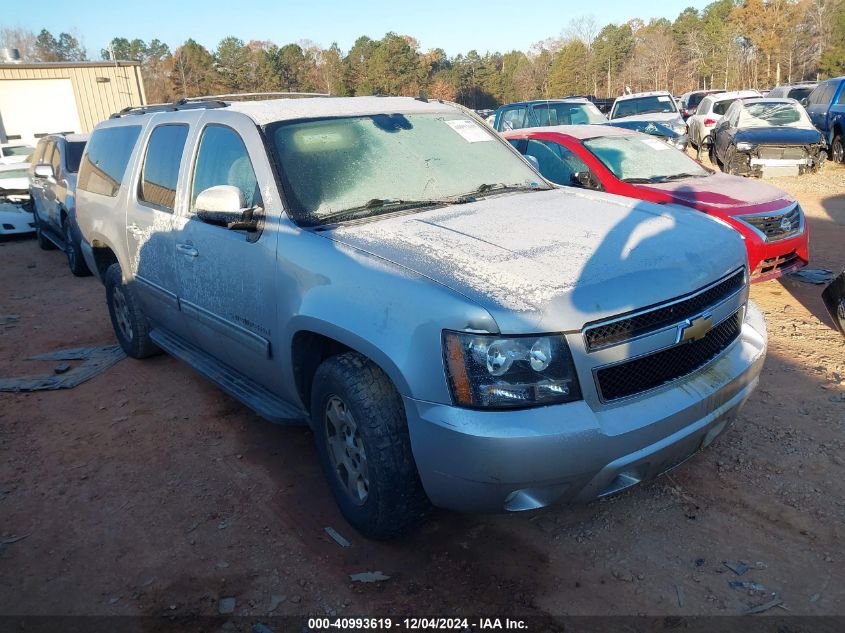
(104, 164)
(73, 154)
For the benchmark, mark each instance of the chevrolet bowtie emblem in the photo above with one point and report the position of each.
(695, 329)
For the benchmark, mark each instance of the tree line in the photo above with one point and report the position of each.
(729, 44)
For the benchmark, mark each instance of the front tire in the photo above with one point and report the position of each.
(75, 260)
(365, 449)
(837, 150)
(130, 325)
(730, 157)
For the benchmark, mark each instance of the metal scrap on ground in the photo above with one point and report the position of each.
(774, 602)
(368, 576)
(95, 360)
(337, 537)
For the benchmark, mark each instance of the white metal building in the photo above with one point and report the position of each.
(46, 98)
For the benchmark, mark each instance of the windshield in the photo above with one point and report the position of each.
(644, 105)
(372, 164)
(74, 155)
(567, 114)
(17, 150)
(643, 159)
(774, 114)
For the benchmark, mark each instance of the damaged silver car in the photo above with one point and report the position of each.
(456, 330)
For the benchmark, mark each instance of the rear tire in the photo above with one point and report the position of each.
(43, 243)
(130, 325)
(75, 260)
(837, 150)
(365, 449)
(714, 159)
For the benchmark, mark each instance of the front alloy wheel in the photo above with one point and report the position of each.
(346, 450)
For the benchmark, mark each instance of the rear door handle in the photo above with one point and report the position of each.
(187, 250)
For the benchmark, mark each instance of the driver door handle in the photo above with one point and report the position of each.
(187, 250)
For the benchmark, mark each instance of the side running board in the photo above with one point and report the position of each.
(256, 397)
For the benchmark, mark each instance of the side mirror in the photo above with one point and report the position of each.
(224, 205)
(43, 171)
(805, 102)
(534, 162)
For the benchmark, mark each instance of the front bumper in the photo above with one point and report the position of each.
(485, 461)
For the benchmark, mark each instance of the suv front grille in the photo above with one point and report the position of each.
(654, 370)
(625, 328)
(775, 226)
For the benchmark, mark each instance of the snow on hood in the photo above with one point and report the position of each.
(552, 261)
(721, 191)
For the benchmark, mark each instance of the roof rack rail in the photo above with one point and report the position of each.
(258, 95)
(181, 104)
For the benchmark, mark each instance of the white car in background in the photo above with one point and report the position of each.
(710, 111)
(15, 215)
(14, 153)
(657, 107)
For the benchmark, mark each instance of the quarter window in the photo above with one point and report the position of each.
(223, 160)
(106, 158)
(161, 166)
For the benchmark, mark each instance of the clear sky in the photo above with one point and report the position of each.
(457, 26)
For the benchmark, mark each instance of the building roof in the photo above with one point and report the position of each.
(95, 64)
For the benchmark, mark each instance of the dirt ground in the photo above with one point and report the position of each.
(148, 491)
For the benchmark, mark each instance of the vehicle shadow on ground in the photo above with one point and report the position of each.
(827, 236)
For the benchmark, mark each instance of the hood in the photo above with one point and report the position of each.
(658, 117)
(778, 135)
(724, 193)
(551, 261)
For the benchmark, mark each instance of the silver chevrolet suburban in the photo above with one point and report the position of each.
(457, 331)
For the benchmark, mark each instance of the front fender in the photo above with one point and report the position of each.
(389, 313)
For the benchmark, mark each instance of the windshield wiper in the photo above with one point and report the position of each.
(679, 177)
(638, 181)
(489, 188)
(375, 204)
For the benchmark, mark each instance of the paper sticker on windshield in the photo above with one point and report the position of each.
(472, 132)
(653, 143)
(663, 98)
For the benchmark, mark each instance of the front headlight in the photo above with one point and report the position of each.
(499, 372)
(744, 146)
